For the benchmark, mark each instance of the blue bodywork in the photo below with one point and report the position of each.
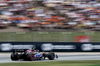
(38, 55)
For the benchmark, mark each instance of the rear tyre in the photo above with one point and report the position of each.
(14, 57)
(51, 56)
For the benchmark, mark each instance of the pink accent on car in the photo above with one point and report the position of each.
(34, 56)
(29, 51)
(41, 55)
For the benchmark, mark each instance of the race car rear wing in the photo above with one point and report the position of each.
(19, 50)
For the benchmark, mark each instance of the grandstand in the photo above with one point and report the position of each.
(36, 15)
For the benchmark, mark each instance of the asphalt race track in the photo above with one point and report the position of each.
(6, 59)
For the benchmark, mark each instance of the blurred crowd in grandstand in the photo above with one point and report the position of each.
(50, 14)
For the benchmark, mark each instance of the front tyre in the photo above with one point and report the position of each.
(51, 56)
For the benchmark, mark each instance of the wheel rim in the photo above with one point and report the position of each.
(52, 55)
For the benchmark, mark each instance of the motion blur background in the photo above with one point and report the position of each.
(49, 15)
(49, 20)
(49, 37)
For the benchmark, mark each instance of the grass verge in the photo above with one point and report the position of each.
(55, 63)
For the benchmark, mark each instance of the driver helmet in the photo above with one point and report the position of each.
(32, 49)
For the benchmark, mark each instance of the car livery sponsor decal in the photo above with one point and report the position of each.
(38, 55)
(50, 47)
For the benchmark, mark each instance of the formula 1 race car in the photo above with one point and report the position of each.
(31, 55)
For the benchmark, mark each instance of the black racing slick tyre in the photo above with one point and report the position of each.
(14, 57)
(30, 57)
(51, 56)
